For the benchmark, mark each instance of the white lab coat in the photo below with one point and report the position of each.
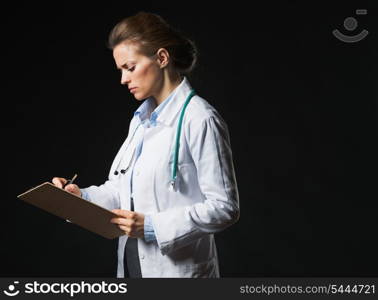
(204, 200)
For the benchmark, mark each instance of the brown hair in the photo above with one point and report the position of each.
(152, 32)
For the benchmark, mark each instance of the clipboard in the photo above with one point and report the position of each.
(72, 208)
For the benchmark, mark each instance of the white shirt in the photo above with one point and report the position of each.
(204, 200)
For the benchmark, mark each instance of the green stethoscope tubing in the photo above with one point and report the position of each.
(177, 142)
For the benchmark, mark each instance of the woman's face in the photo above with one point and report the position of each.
(140, 73)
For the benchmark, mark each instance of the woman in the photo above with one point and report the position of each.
(172, 183)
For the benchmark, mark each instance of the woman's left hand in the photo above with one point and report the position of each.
(131, 222)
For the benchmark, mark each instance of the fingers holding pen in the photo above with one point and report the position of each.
(73, 188)
(59, 182)
(70, 187)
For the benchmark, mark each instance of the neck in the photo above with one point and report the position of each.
(168, 84)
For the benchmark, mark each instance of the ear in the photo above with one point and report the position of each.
(162, 57)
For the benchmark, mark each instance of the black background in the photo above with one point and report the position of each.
(301, 107)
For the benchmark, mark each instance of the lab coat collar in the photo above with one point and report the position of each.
(166, 111)
(145, 109)
(174, 106)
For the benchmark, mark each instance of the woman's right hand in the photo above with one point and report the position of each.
(72, 188)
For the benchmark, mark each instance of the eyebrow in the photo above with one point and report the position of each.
(124, 65)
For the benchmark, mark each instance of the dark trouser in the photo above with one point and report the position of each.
(131, 263)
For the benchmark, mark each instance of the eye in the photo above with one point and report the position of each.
(131, 69)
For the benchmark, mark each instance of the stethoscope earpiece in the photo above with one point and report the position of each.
(123, 171)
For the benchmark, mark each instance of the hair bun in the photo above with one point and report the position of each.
(152, 32)
(184, 55)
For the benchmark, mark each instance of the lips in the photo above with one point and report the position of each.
(132, 89)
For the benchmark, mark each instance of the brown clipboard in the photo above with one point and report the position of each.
(72, 208)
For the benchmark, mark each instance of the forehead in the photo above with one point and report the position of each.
(125, 52)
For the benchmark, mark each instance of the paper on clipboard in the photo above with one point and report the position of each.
(70, 207)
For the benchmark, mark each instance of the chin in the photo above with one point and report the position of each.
(141, 97)
(138, 98)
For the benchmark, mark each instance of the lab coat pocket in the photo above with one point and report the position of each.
(204, 269)
(191, 269)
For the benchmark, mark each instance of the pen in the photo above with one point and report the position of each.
(70, 181)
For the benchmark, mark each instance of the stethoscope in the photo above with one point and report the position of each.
(177, 143)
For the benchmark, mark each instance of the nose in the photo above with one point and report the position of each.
(125, 78)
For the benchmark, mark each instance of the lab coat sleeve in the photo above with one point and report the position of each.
(105, 195)
(209, 144)
(149, 233)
